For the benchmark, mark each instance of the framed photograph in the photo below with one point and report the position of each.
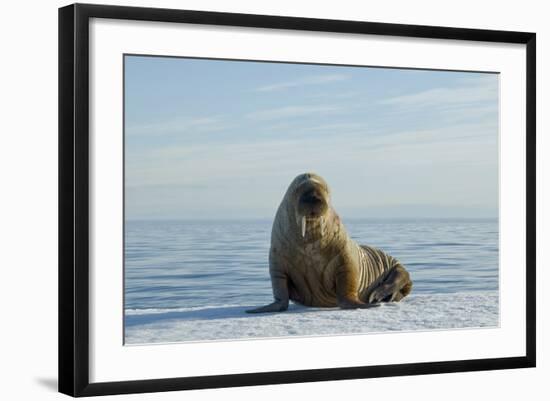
(252, 199)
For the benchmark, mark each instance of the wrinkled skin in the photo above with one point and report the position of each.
(313, 261)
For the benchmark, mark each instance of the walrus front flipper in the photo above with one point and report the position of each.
(273, 307)
(279, 283)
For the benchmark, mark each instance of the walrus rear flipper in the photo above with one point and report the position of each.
(396, 286)
(357, 305)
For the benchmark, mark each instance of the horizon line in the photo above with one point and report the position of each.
(349, 218)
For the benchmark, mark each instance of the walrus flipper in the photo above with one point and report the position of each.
(356, 305)
(279, 283)
(394, 287)
(273, 307)
(346, 290)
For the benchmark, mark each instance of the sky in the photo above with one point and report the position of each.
(220, 139)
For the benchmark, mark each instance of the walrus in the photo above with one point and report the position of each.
(313, 261)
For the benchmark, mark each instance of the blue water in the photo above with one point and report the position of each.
(178, 264)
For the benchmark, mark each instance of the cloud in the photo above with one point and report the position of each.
(291, 111)
(336, 95)
(339, 127)
(478, 91)
(222, 163)
(178, 125)
(312, 80)
(474, 102)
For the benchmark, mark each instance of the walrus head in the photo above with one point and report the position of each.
(310, 197)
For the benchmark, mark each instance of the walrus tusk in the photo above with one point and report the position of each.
(303, 226)
(322, 226)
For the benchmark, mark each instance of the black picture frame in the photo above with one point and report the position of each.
(74, 198)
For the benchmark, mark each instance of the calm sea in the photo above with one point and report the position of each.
(177, 264)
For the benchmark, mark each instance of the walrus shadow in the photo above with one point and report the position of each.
(222, 312)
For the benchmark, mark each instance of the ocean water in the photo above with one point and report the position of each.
(192, 280)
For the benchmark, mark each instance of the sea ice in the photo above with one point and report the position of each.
(227, 322)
